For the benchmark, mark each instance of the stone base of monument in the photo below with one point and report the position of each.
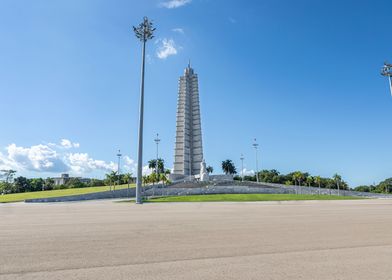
(175, 178)
(221, 177)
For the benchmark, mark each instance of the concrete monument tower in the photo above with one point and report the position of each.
(188, 151)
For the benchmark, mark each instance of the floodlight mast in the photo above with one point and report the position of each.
(118, 167)
(157, 140)
(256, 146)
(242, 167)
(144, 32)
(386, 71)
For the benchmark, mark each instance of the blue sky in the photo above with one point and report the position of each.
(301, 76)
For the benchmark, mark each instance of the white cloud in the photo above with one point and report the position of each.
(53, 158)
(81, 163)
(67, 144)
(41, 158)
(247, 172)
(172, 4)
(129, 165)
(167, 48)
(146, 170)
(178, 30)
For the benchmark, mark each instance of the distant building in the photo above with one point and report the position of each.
(61, 180)
(64, 178)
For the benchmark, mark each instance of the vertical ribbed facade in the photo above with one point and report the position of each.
(188, 151)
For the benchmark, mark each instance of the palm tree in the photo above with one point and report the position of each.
(111, 177)
(152, 164)
(317, 180)
(127, 178)
(114, 178)
(228, 167)
(209, 169)
(295, 179)
(163, 178)
(161, 166)
(145, 179)
(338, 179)
(298, 177)
(309, 180)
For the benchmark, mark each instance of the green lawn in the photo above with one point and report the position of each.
(248, 197)
(55, 193)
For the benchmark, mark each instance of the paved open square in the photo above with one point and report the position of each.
(258, 240)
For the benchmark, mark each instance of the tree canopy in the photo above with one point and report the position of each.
(228, 167)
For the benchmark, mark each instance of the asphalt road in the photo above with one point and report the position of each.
(107, 240)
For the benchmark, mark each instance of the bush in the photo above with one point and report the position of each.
(60, 187)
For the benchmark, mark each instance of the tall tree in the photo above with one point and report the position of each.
(338, 179)
(317, 180)
(385, 186)
(49, 184)
(152, 164)
(228, 167)
(127, 178)
(298, 176)
(112, 178)
(37, 184)
(8, 175)
(21, 184)
(210, 169)
(309, 180)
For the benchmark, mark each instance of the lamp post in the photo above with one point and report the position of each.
(255, 145)
(118, 167)
(386, 71)
(144, 32)
(157, 140)
(242, 167)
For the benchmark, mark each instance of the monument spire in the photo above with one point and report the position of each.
(188, 150)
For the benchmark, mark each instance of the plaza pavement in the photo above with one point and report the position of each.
(258, 240)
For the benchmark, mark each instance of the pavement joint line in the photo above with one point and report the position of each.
(194, 259)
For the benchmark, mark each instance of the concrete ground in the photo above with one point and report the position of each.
(270, 240)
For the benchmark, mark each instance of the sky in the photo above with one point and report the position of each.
(302, 77)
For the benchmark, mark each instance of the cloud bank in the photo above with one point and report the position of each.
(172, 4)
(59, 158)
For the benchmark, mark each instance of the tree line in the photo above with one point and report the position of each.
(9, 183)
(298, 178)
(382, 187)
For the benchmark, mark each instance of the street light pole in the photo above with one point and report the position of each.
(386, 71)
(118, 167)
(157, 140)
(242, 167)
(144, 31)
(255, 145)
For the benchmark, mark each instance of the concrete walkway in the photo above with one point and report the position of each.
(260, 240)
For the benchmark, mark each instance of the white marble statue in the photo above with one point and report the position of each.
(204, 177)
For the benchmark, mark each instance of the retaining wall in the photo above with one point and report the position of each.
(209, 188)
